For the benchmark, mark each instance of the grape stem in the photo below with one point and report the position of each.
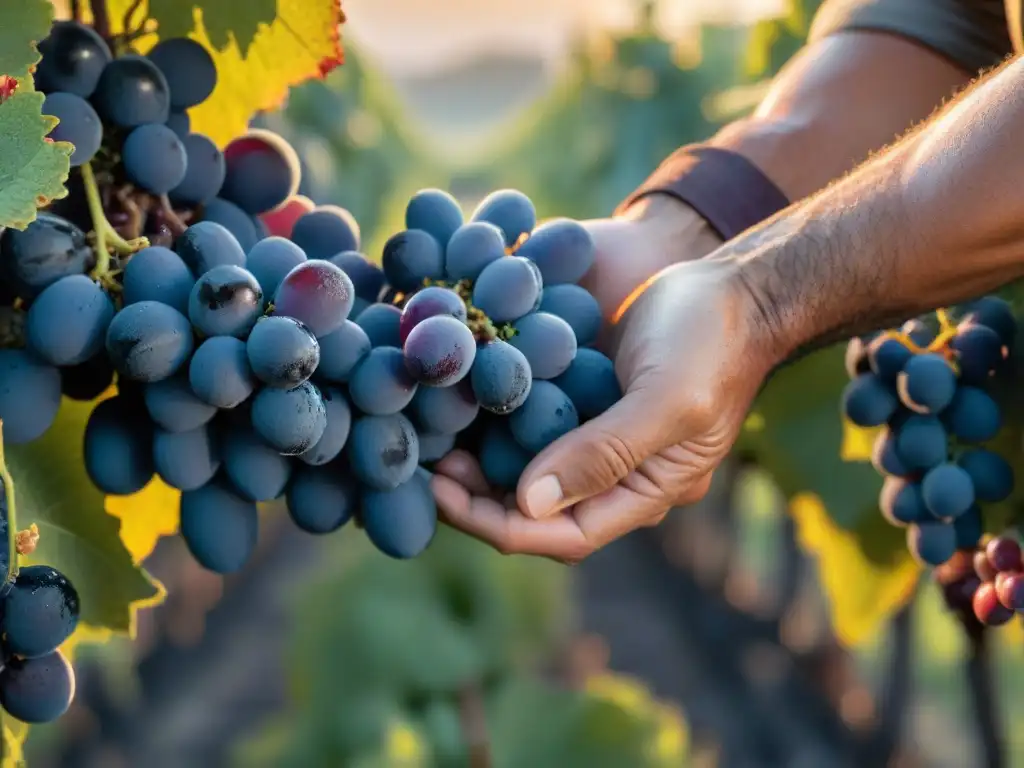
(173, 220)
(12, 517)
(100, 18)
(107, 238)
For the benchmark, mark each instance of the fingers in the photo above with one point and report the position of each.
(464, 469)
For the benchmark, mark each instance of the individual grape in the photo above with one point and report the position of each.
(987, 608)
(281, 221)
(260, 228)
(885, 458)
(922, 442)
(1004, 554)
(401, 522)
(973, 416)
(500, 377)
(472, 247)
(887, 356)
(340, 353)
(74, 56)
(927, 383)
(186, 460)
(590, 382)
(87, 381)
(320, 499)
(37, 690)
(339, 425)
(189, 69)
(968, 527)
(208, 244)
(430, 302)
(931, 543)
(902, 502)
(257, 471)
(118, 448)
(132, 91)
(983, 567)
(149, 341)
(947, 491)
(41, 611)
(219, 372)
(410, 258)
(358, 307)
(435, 212)
(325, 231)
(857, 359)
(545, 416)
(317, 294)
(562, 249)
(547, 342)
(502, 459)
(919, 331)
(435, 447)
(959, 595)
(382, 324)
(29, 396)
(367, 278)
(868, 402)
(439, 351)
(995, 313)
(241, 225)
(158, 274)
(290, 420)
(154, 158)
(79, 124)
(180, 123)
(67, 323)
(45, 251)
(174, 407)
(282, 352)
(381, 384)
(510, 211)
(577, 307)
(991, 474)
(271, 259)
(444, 410)
(219, 526)
(979, 352)
(204, 171)
(262, 171)
(383, 451)
(507, 289)
(1010, 590)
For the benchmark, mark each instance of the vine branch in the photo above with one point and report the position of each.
(100, 18)
(983, 698)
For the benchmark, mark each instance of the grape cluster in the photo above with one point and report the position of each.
(986, 582)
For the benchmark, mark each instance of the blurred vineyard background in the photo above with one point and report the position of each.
(728, 615)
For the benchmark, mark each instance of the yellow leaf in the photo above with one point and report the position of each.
(858, 442)
(261, 49)
(145, 517)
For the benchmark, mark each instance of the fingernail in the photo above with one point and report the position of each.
(543, 496)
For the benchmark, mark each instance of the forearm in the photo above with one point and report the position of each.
(935, 220)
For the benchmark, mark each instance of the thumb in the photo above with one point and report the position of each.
(593, 457)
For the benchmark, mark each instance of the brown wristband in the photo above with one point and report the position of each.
(727, 190)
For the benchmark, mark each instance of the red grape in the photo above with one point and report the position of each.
(987, 607)
(280, 221)
(983, 567)
(1010, 590)
(1004, 554)
(429, 302)
(316, 293)
(959, 594)
(439, 351)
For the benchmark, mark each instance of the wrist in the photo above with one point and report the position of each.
(681, 233)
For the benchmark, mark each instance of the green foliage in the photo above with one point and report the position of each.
(26, 22)
(226, 21)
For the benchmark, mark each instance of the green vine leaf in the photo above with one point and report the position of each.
(26, 22)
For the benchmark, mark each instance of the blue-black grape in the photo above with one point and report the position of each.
(382, 324)
(995, 313)
(435, 447)
(577, 307)
(430, 302)
(381, 384)
(45, 251)
(79, 124)
(132, 91)
(502, 459)
(257, 471)
(270, 260)
(87, 381)
(189, 69)
(317, 294)
(206, 245)
(856, 361)
(434, 211)
(590, 382)
(290, 420)
(991, 474)
(885, 458)
(37, 690)
(974, 416)
(472, 247)
(562, 249)
(947, 491)
(510, 211)
(149, 341)
(204, 171)
(219, 526)
(507, 289)
(219, 372)
(383, 451)
(226, 301)
(180, 123)
(444, 410)
(154, 158)
(320, 499)
(186, 460)
(339, 425)
(240, 224)
(367, 278)
(67, 323)
(922, 442)
(545, 416)
(902, 502)
(340, 352)
(175, 407)
(439, 351)
(868, 402)
(262, 171)
(500, 377)
(30, 393)
(282, 352)
(74, 56)
(401, 522)
(919, 332)
(158, 274)
(547, 342)
(325, 231)
(979, 352)
(927, 383)
(887, 356)
(41, 611)
(932, 542)
(410, 258)
(118, 447)
(969, 528)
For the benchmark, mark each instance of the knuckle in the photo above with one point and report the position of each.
(616, 458)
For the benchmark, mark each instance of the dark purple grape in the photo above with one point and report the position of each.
(431, 301)
(316, 293)
(439, 351)
(987, 608)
